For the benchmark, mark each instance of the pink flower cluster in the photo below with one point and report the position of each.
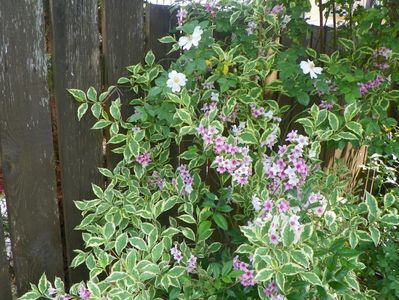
(208, 107)
(248, 277)
(270, 289)
(279, 223)
(230, 158)
(181, 16)
(257, 112)
(143, 159)
(191, 264)
(157, 180)
(177, 255)
(210, 7)
(271, 139)
(317, 198)
(364, 88)
(277, 9)
(84, 293)
(326, 105)
(187, 179)
(290, 169)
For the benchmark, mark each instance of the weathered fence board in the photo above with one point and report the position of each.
(5, 287)
(76, 49)
(123, 45)
(27, 145)
(159, 23)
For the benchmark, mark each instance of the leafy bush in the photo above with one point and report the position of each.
(245, 211)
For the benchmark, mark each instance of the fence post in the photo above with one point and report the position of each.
(27, 145)
(76, 61)
(5, 287)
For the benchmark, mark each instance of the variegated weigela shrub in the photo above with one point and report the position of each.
(245, 210)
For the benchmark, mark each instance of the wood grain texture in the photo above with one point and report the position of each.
(5, 288)
(123, 45)
(160, 21)
(26, 142)
(76, 52)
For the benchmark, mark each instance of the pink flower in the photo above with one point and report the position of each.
(143, 159)
(283, 206)
(248, 278)
(274, 238)
(268, 205)
(84, 293)
(191, 264)
(177, 255)
(277, 9)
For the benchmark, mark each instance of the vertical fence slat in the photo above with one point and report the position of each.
(123, 37)
(159, 23)
(5, 287)
(123, 45)
(76, 65)
(27, 145)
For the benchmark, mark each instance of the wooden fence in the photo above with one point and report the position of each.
(48, 157)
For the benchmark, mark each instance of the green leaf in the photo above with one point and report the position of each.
(303, 98)
(150, 58)
(78, 95)
(116, 276)
(43, 285)
(221, 221)
(157, 251)
(108, 230)
(176, 271)
(188, 233)
(167, 39)
(184, 116)
(389, 200)
(280, 280)
(353, 239)
(390, 219)
(117, 138)
(333, 121)
(291, 269)
(375, 235)
(82, 110)
(33, 295)
(149, 270)
(96, 110)
(311, 277)
(94, 289)
(248, 137)
(350, 112)
(288, 236)
(299, 257)
(355, 127)
(92, 94)
(138, 243)
(264, 275)
(372, 207)
(115, 109)
(321, 117)
(187, 218)
(234, 16)
(101, 124)
(347, 136)
(120, 243)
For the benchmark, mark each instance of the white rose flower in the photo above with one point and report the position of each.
(192, 39)
(176, 81)
(308, 67)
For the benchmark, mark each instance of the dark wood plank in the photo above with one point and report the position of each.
(5, 287)
(27, 145)
(123, 45)
(160, 22)
(76, 64)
